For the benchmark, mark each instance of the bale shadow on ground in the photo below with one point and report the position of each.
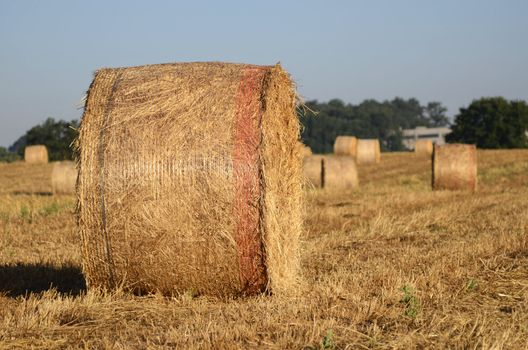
(22, 279)
(30, 193)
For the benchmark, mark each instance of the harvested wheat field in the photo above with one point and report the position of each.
(392, 264)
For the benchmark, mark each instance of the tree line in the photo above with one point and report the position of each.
(492, 123)
(488, 122)
(323, 122)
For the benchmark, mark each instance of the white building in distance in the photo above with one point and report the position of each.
(437, 135)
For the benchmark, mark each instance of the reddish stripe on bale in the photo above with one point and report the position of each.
(246, 173)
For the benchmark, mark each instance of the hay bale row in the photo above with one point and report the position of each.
(455, 167)
(190, 179)
(368, 151)
(331, 172)
(63, 177)
(423, 148)
(36, 154)
(345, 146)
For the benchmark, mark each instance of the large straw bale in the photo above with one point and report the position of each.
(368, 151)
(190, 179)
(36, 154)
(345, 146)
(423, 148)
(455, 167)
(63, 177)
(330, 172)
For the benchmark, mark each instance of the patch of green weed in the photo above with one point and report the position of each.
(410, 301)
(51, 209)
(328, 340)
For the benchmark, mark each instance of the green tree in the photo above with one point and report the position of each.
(492, 123)
(7, 156)
(57, 136)
(409, 113)
(436, 113)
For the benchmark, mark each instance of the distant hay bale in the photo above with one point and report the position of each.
(190, 180)
(305, 150)
(339, 173)
(345, 146)
(455, 167)
(330, 172)
(368, 151)
(63, 177)
(313, 170)
(423, 147)
(36, 154)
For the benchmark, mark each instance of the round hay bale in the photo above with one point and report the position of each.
(455, 167)
(63, 177)
(339, 173)
(424, 148)
(36, 154)
(190, 180)
(330, 172)
(305, 150)
(345, 146)
(313, 170)
(368, 151)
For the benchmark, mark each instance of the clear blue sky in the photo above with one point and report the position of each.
(450, 51)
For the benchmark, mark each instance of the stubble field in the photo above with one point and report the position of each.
(390, 265)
